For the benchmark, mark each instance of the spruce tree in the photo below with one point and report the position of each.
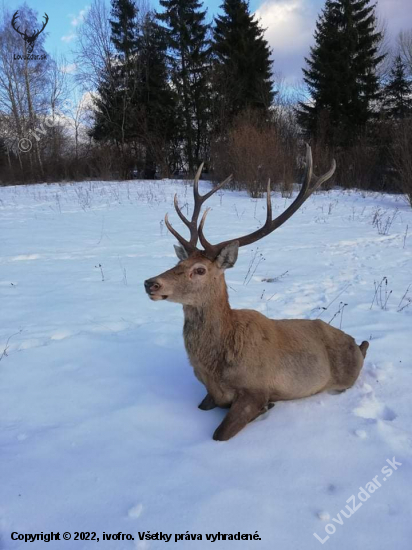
(105, 124)
(189, 60)
(3, 152)
(398, 92)
(117, 91)
(156, 121)
(124, 27)
(341, 70)
(242, 61)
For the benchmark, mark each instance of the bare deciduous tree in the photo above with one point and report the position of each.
(405, 47)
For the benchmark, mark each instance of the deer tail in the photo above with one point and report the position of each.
(364, 348)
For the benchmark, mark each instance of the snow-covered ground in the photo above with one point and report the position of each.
(100, 430)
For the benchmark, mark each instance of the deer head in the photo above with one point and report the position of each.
(196, 280)
(199, 276)
(30, 40)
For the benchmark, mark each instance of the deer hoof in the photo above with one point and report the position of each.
(207, 404)
(220, 435)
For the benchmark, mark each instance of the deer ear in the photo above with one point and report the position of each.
(181, 252)
(228, 255)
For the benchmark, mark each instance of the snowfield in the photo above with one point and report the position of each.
(100, 430)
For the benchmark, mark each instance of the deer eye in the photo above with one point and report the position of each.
(200, 271)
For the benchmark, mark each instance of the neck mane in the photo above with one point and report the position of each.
(211, 319)
(209, 333)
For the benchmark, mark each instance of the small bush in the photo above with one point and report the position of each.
(254, 151)
(403, 157)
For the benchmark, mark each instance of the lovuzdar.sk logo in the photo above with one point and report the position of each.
(30, 39)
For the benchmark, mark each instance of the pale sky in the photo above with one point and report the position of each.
(289, 23)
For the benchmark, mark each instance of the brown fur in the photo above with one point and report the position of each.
(245, 360)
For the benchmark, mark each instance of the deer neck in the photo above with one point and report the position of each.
(210, 322)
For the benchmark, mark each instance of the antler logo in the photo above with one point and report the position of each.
(29, 39)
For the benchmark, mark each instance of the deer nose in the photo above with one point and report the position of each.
(151, 285)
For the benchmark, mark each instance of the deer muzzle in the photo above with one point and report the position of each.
(153, 288)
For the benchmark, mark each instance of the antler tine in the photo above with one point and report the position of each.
(196, 181)
(198, 201)
(268, 205)
(325, 177)
(270, 225)
(218, 186)
(190, 224)
(181, 215)
(309, 175)
(206, 245)
(186, 244)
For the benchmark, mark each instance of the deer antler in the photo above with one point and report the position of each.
(310, 184)
(13, 22)
(190, 246)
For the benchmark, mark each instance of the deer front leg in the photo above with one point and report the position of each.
(245, 408)
(208, 403)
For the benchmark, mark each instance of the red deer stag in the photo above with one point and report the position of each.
(247, 361)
